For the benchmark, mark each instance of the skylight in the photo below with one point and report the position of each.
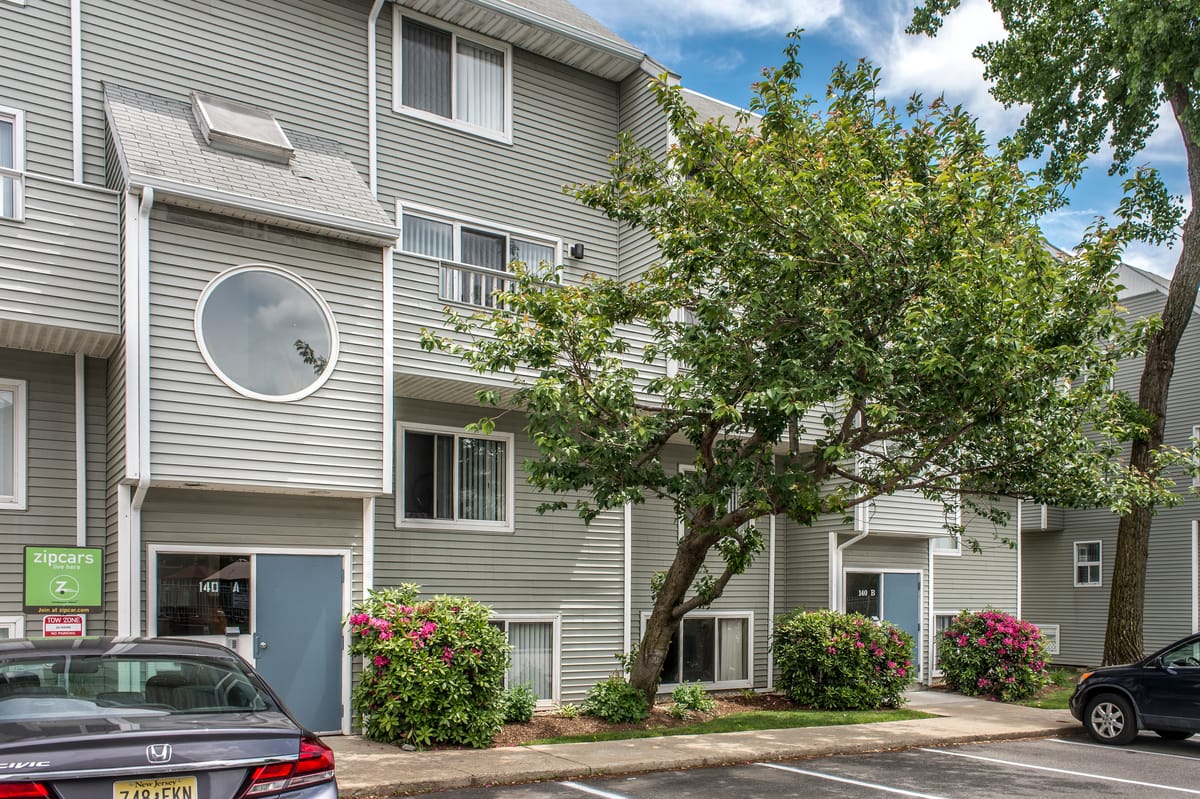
(236, 127)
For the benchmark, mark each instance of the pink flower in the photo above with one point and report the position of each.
(381, 661)
(901, 672)
(447, 654)
(831, 650)
(859, 645)
(891, 664)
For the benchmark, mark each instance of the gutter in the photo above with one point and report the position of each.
(373, 100)
(142, 343)
(566, 30)
(76, 92)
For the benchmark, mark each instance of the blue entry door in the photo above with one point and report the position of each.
(298, 634)
(902, 606)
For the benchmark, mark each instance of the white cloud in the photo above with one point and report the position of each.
(713, 16)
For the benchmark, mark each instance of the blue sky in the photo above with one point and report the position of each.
(719, 47)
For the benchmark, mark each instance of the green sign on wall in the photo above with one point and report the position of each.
(63, 579)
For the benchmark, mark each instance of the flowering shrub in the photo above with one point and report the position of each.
(993, 653)
(841, 661)
(433, 669)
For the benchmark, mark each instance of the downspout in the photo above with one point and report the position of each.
(1020, 561)
(80, 453)
(627, 581)
(76, 91)
(838, 556)
(372, 100)
(143, 390)
(771, 606)
(930, 640)
(368, 553)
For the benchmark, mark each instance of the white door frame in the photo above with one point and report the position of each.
(151, 621)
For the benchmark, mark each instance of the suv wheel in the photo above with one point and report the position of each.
(1109, 719)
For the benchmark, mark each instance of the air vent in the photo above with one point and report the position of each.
(239, 128)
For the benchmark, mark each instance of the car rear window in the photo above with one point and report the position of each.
(83, 685)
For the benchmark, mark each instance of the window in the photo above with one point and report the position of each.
(12, 163)
(1186, 655)
(266, 333)
(475, 258)
(713, 648)
(12, 445)
(12, 627)
(950, 544)
(534, 642)
(447, 478)
(448, 76)
(1052, 633)
(202, 594)
(1087, 563)
(941, 623)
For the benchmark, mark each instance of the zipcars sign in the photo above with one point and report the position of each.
(63, 579)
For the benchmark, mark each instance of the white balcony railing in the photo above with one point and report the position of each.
(473, 285)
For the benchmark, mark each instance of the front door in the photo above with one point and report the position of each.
(893, 596)
(281, 612)
(298, 645)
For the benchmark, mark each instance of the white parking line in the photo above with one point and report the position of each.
(849, 781)
(1063, 771)
(593, 791)
(1130, 751)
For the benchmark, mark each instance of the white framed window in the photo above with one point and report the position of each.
(1088, 560)
(451, 479)
(452, 76)
(1053, 634)
(535, 640)
(947, 545)
(12, 164)
(941, 622)
(266, 333)
(476, 257)
(12, 627)
(715, 648)
(12, 444)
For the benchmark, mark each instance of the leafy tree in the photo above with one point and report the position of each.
(1093, 71)
(871, 310)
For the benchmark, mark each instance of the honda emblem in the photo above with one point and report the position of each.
(158, 753)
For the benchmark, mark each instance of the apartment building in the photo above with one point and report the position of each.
(223, 228)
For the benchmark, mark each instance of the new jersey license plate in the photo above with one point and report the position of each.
(160, 788)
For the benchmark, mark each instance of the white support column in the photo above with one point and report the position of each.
(368, 546)
(771, 605)
(627, 582)
(80, 452)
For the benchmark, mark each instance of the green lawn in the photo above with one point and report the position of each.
(1055, 695)
(752, 720)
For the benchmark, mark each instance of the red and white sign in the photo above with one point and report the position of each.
(66, 626)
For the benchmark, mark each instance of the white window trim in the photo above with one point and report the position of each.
(1099, 563)
(1195, 439)
(17, 117)
(330, 319)
(948, 552)
(937, 636)
(459, 221)
(556, 654)
(1056, 647)
(718, 685)
(18, 499)
(398, 16)
(14, 624)
(475, 525)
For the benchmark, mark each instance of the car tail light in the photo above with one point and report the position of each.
(315, 765)
(24, 790)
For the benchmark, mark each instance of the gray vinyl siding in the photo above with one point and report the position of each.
(114, 470)
(806, 581)
(49, 516)
(303, 60)
(550, 564)
(906, 512)
(977, 580)
(59, 267)
(644, 120)
(655, 538)
(1032, 514)
(1049, 594)
(251, 522)
(35, 60)
(202, 430)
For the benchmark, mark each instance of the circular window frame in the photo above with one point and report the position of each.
(334, 336)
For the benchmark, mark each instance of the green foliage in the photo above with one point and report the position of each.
(993, 653)
(690, 698)
(433, 669)
(615, 701)
(841, 661)
(519, 704)
(870, 282)
(570, 711)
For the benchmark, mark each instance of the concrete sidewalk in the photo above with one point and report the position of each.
(365, 768)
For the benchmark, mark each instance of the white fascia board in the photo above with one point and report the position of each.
(375, 233)
(567, 31)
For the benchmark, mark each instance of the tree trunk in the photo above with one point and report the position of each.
(652, 651)
(1126, 603)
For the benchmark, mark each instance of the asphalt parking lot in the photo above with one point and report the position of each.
(1069, 767)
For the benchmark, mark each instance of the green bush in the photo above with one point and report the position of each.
(519, 702)
(690, 697)
(433, 669)
(615, 701)
(994, 654)
(841, 661)
(570, 711)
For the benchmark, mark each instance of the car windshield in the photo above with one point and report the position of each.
(118, 685)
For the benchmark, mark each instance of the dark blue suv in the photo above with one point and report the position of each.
(1160, 693)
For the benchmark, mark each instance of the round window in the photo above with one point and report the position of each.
(266, 333)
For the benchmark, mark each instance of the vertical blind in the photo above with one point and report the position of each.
(482, 480)
(532, 656)
(731, 657)
(8, 159)
(425, 68)
(479, 81)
